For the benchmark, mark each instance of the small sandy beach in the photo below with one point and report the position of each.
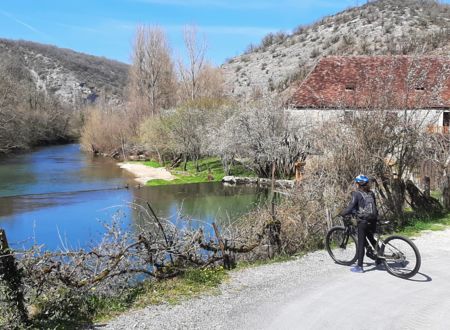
(145, 173)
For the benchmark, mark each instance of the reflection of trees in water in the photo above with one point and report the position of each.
(99, 168)
(197, 203)
(13, 205)
(7, 206)
(14, 175)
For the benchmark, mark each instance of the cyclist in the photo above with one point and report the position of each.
(363, 206)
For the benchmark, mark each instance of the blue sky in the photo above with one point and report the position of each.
(106, 27)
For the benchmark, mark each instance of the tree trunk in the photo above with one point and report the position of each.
(274, 226)
(446, 192)
(185, 162)
(12, 278)
(420, 202)
(426, 186)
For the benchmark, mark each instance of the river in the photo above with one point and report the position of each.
(61, 197)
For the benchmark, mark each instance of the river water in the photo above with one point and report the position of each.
(61, 197)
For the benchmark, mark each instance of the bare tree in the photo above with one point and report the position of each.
(211, 82)
(152, 76)
(27, 116)
(264, 135)
(190, 73)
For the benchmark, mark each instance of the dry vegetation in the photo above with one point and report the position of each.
(29, 117)
(170, 106)
(44, 90)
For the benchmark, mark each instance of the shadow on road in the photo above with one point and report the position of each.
(419, 277)
(425, 278)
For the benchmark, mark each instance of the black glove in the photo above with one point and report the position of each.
(347, 220)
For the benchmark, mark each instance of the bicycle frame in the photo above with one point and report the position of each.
(380, 247)
(351, 229)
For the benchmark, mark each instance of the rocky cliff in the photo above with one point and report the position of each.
(73, 78)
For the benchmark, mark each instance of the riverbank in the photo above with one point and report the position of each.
(144, 174)
(151, 173)
(299, 291)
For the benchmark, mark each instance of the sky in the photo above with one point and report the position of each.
(106, 27)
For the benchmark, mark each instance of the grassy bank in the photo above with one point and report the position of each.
(210, 170)
(173, 291)
(416, 226)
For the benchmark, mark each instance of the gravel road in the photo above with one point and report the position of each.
(314, 293)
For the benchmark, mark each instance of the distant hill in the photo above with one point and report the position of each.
(377, 28)
(73, 78)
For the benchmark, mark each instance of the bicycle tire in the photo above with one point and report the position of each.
(396, 264)
(337, 236)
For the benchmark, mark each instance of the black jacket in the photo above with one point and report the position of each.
(356, 203)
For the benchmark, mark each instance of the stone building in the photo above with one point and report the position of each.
(339, 86)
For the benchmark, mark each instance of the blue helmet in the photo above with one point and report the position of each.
(362, 179)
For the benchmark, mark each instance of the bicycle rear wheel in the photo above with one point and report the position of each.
(400, 256)
(341, 246)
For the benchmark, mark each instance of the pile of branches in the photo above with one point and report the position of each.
(162, 250)
(159, 249)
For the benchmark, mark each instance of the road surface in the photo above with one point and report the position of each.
(314, 293)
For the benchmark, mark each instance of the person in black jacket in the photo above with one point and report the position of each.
(363, 206)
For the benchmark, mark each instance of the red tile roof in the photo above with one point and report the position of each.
(383, 82)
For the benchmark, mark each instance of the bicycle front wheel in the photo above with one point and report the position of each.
(341, 246)
(400, 256)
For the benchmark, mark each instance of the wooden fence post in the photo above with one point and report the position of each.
(12, 278)
(426, 186)
(228, 261)
(446, 192)
(299, 169)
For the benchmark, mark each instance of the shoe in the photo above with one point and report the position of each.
(357, 269)
(379, 263)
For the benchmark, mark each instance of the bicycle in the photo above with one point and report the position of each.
(398, 254)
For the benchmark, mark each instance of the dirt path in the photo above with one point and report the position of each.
(314, 293)
(145, 173)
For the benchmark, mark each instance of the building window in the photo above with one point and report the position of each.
(348, 115)
(350, 87)
(445, 122)
(392, 115)
(420, 88)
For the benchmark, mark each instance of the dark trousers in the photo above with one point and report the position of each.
(365, 229)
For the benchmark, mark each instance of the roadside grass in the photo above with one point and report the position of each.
(261, 262)
(191, 284)
(418, 225)
(210, 170)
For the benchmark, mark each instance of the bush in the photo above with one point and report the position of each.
(63, 308)
(106, 131)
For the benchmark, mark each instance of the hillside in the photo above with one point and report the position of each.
(377, 28)
(74, 78)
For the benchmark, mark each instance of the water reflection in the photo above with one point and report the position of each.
(60, 197)
(200, 203)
